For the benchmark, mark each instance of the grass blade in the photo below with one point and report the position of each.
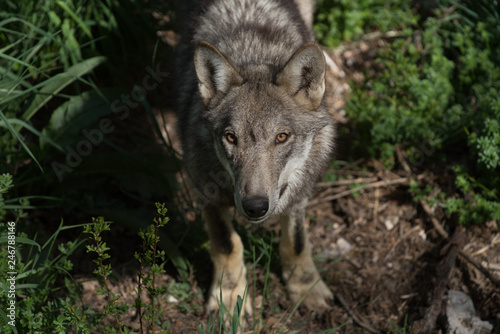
(73, 15)
(33, 130)
(57, 83)
(19, 139)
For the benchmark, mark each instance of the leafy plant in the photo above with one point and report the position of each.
(148, 258)
(39, 269)
(340, 21)
(439, 92)
(406, 102)
(60, 126)
(103, 270)
(36, 268)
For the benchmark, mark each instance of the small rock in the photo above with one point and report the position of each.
(172, 299)
(461, 315)
(390, 222)
(422, 235)
(341, 247)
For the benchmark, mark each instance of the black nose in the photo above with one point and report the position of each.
(255, 207)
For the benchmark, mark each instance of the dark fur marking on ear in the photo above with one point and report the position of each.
(306, 78)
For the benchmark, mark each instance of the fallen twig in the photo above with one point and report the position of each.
(353, 315)
(347, 182)
(401, 239)
(446, 265)
(482, 269)
(377, 184)
(402, 160)
(380, 36)
(439, 228)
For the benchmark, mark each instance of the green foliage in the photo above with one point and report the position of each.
(5, 185)
(407, 100)
(37, 268)
(343, 20)
(103, 271)
(40, 267)
(71, 31)
(148, 258)
(478, 204)
(151, 264)
(52, 53)
(439, 91)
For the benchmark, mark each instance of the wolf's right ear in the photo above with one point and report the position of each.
(216, 75)
(303, 76)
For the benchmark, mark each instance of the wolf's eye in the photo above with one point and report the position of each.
(281, 138)
(231, 138)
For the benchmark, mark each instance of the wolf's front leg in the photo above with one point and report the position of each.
(226, 251)
(299, 272)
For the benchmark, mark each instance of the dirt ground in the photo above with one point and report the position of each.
(383, 255)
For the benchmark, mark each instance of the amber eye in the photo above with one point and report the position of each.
(231, 138)
(281, 138)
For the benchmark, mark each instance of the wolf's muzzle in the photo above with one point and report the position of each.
(255, 207)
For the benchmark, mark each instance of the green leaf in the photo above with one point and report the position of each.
(22, 240)
(75, 17)
(54, 85)
(78, 114)
(56, 20)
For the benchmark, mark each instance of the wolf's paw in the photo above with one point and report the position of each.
(318, 296)
(229, 301)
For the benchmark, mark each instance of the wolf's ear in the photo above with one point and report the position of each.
(303, 77)
(215, 74)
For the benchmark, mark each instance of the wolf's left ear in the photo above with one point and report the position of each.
(303, 76)
(216, 75)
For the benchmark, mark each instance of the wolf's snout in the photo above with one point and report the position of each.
(256, 207)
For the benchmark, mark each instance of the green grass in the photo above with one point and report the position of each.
(65, 120)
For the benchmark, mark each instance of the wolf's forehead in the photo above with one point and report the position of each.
(255, 111)
(257, 98)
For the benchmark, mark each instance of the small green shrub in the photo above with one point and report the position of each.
(36, 268)
(149, 257)
(406, 102)
(340, 21)
(41, 269)
(438, 97)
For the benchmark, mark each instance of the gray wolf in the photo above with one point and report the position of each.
(255, 134)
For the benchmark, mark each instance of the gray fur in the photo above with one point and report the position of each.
(249, 73)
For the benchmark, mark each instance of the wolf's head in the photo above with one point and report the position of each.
(270, 129)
